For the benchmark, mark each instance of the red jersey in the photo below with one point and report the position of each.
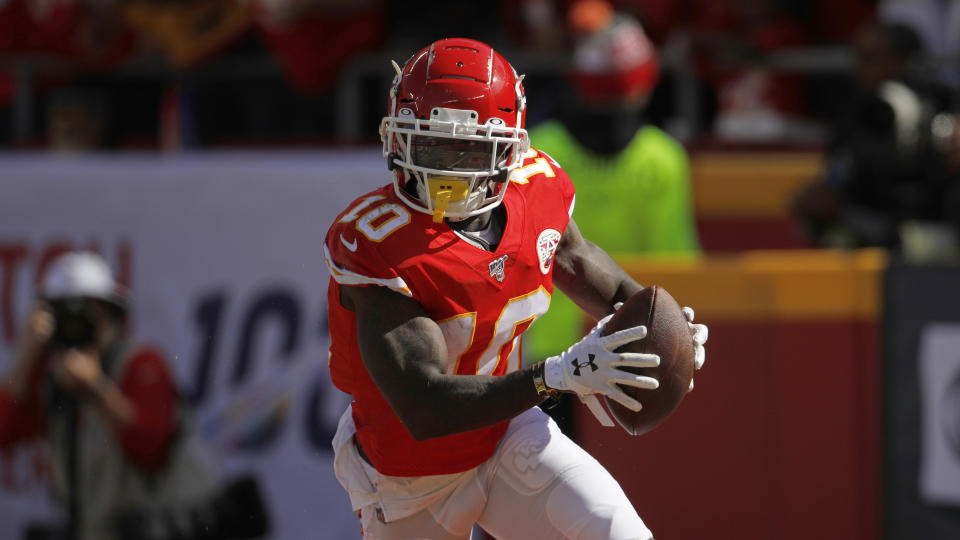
(481, 300)
(145, 381)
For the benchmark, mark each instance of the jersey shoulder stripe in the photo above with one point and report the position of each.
(346, 277)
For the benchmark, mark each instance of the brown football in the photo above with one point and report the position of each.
(667, 336)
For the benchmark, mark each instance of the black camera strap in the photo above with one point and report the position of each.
(72, 469)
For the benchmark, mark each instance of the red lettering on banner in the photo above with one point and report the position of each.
(124, 264)
(11, 255)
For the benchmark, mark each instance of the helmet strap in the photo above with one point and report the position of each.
(391, 164)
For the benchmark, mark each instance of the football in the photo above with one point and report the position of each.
(668, 336)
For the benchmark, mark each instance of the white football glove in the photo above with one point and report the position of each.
(699, 338)
(591, 367)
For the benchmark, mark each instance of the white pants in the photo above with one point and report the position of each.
(538, 485)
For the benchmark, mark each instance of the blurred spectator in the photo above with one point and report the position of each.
(890, 162)
(537, 24)
(145, 69)
(85, 32)
(106, 51)
(632, 179)
(314, 39)
(731, 41)
(119, 438)
(187, 32)
(541, 24)
(946, 129)
(937, 24)
(833, 22)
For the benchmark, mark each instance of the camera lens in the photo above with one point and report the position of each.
(74, 323)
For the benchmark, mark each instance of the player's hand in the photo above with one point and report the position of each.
(700, 334)
(591, 367)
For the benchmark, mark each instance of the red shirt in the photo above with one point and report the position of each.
(482, 302)
(145, 382)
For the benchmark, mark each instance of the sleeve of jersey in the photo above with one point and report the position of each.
(149, 387)
(22, 419)
(353, 260)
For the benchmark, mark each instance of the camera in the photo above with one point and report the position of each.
(75, 323)
(236, 512)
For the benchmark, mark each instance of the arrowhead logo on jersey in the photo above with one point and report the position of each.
(546, 248)
(577, 365)
(496, 268)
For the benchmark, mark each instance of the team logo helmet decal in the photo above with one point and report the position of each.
(547, 244)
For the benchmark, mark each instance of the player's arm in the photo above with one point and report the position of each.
(595, 282)
(406, 356)
(589, 276)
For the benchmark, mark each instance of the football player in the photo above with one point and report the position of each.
(434, 279)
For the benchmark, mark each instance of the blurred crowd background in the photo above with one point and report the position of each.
(789, 168)
(276, 72)
(870, 83)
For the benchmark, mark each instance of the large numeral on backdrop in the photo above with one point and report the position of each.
(320, 425)
(271, 306)
(275, 304)
(209, 318)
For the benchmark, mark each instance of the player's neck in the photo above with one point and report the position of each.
(497, 216)
(484, 230)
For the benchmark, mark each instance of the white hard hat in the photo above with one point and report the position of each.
(81, 274)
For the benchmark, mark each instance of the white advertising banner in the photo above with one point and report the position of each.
(223, 255)
(939, 364)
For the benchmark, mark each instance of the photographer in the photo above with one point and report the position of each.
(108, 407)
(891, 171)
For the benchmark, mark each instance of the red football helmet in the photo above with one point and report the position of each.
(454, 128)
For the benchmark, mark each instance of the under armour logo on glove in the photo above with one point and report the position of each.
(577, 365)
(608, 369)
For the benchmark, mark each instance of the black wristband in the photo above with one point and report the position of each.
(543, 390)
